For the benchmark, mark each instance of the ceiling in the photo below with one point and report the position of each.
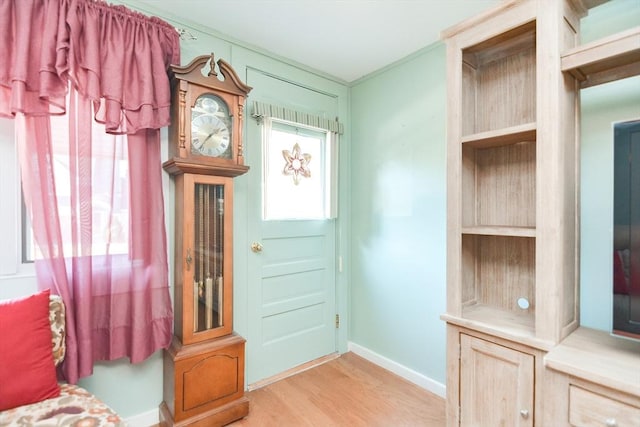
(347, 39)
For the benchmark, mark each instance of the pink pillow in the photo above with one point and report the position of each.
(27, 371)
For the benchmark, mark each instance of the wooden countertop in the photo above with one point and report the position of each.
(599, 357)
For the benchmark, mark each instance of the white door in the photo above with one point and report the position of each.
(291, 267)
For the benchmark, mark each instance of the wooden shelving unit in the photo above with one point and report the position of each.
(507, 155)
(605, 60)
(500, 231)
(500, 137)
(512, 256)
(512, 207)
(592, 377)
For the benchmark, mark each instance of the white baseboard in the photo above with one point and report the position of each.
(417, 378)
(146, 419)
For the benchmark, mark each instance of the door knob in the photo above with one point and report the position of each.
(256, 247)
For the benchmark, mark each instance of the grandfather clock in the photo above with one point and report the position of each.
(204, 366)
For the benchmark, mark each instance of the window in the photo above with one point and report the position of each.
(110, 218)
(299, 172)
(10, 196)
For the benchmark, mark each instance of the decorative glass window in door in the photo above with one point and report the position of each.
(298, 172)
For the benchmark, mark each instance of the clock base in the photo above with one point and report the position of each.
(204, 383)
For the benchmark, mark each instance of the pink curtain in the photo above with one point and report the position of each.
(111, 65)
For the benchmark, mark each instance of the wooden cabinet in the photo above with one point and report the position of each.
(591, 409)
(593, 379)
(510, 394)
(513, 77)
(512, 234)
(492, 381)
(204, 383)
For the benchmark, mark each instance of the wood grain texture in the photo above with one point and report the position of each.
(604, 60)
(591, 409)
(514, 113)
(513, 216)
(185, 248)
(504, 270)
(503, 136)
(599, 357)
(347, 391)
(204, 381)
(557, 160)
(506, 92)
(505, 185)
(574, 401)
(510, 394)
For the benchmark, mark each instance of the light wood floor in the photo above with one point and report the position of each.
(347, 391)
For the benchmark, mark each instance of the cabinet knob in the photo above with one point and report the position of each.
(524, 413)
(611, 422)
(256, 247)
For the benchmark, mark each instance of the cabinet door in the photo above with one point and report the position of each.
(496, 385)
(204, 270)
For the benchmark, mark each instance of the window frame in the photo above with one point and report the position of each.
(12, 228)
(329, 164)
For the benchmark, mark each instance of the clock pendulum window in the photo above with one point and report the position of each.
(204, 366)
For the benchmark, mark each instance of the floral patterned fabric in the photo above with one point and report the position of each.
(75, 407)
(56, 318)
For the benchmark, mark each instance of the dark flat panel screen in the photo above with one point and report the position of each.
(626, 215)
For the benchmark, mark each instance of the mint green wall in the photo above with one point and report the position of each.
(398, 199)
(609, 18)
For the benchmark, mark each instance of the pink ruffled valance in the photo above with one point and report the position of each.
(113, 56)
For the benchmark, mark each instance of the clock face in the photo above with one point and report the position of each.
(210, 127)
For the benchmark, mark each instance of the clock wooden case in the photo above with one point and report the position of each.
(207, 114)
(204, 366)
